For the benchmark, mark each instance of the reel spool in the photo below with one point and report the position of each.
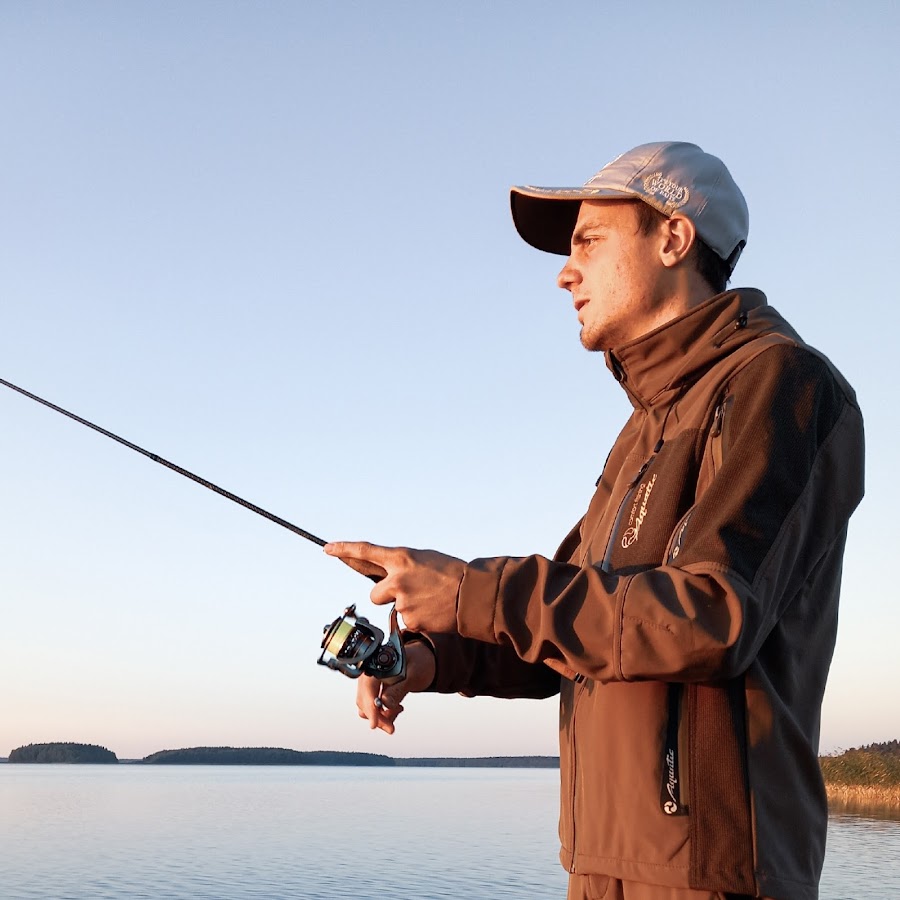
(357, 647)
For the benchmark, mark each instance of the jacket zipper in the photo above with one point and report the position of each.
(671, 794)
(677, 538)
(715, 432)
(623, 504)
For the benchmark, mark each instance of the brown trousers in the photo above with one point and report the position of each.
(601, 887)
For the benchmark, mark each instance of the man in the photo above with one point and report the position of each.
(689, 618)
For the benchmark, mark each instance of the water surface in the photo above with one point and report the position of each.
(127, 831)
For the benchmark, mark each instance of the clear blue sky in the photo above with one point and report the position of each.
(271, 242)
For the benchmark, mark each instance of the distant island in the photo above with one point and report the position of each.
(262, 756)
(62, 752)
(275, 756)
(862, 777)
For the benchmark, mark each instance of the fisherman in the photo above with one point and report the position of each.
(688, 620)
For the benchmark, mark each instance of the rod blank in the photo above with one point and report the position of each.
(175, 468)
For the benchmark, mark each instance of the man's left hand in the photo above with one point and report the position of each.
(422, 583)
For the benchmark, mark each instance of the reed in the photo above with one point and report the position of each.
(854, 796)
(861, 779)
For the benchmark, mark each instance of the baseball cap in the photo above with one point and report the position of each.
(671, 176)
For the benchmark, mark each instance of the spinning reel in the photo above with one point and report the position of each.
(357, 647)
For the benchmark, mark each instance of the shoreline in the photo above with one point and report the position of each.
(878, 801)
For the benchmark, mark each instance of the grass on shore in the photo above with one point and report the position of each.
(862, 778)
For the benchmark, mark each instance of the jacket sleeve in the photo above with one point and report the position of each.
(777, 508)
(475, 668)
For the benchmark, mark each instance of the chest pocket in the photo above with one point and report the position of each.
(653, 505)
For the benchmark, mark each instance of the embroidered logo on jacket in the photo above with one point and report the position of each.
(638, 513)
(671, 806)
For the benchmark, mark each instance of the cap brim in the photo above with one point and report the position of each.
(545, 217)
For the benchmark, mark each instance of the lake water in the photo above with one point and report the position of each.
(230, 833)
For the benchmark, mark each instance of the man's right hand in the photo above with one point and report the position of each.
(420, 669)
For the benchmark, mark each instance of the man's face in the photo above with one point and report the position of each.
(615, 274)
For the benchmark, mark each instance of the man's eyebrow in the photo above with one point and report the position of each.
(590, 225)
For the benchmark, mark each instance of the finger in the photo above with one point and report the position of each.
(373, 553)
(387, 715)
(378, 703)
(391, 698)
(386, 727)
(383, 720)
(367, 691)
(383, 592)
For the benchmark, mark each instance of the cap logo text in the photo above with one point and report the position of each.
(670, 192)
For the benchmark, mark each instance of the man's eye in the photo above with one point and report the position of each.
(586, 241)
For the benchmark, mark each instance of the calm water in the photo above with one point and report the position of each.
(79, 832)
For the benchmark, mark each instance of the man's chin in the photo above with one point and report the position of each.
(590, 342)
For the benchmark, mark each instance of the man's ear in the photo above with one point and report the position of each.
(679, 236)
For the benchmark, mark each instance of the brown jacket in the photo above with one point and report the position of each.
(692, 611)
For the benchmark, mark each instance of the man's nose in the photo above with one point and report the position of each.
(568, 276)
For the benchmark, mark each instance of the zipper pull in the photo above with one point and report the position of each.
(647, 463)
(640, 473)
(718, 416)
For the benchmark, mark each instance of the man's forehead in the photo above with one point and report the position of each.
(605, 212)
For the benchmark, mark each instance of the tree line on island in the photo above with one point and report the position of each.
(62, 752)
(69, 752)
(872, 764)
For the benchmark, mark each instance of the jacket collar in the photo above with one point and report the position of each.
(679, 351)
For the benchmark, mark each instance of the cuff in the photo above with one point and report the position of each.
(416, 637)
(476, 603)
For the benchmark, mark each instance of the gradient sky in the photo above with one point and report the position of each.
(271, 242)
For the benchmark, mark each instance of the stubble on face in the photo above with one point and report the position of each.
(602, 329)
(613, 274)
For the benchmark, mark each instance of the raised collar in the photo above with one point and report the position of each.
(674, 353)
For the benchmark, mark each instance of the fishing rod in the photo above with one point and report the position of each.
(351, 645)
